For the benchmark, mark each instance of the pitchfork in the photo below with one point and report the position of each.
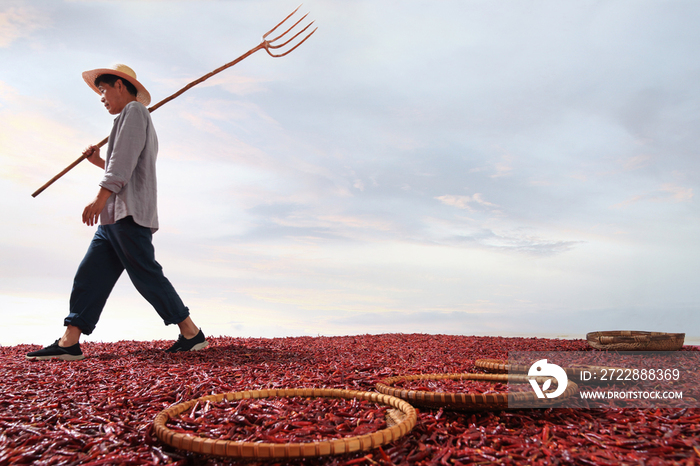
(270, 46)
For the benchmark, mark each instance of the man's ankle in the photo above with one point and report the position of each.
(190, 336)
(66, 344)
(70, 337)
(188, 329)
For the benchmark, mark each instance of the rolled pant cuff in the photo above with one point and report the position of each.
(178, 319)
(75, 320)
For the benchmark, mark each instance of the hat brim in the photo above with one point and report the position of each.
(142, 94)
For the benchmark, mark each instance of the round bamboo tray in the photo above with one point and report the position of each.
(471, 401)
(628, 340)
(499, 366)
(401, 420)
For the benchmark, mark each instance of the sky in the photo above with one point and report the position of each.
(466, 167)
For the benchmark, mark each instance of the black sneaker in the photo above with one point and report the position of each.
(53, 351)
(193, 344)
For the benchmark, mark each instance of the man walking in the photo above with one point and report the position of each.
(126, 207)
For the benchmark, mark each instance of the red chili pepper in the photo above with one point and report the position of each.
(362, 459)
(65, 413)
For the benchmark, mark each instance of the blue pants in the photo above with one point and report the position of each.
(121, 246)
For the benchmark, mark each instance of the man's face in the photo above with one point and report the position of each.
(113, 97)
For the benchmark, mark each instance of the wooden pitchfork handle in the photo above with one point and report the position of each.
(268, 45)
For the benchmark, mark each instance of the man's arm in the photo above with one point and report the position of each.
(129, 136)
(93, 156)
(91, 213)
(128, 140)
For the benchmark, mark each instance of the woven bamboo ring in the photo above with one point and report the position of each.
(501, 367)
(208, 446)
(471, 401)
(630, 340)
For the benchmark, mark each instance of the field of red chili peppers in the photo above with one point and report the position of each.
(99, 411)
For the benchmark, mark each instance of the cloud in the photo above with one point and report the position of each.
(7, 94)
(530, 244)
(665, 193)
(677, 193)
(466, 202)
(637, 161)
(236, 84)
(35, 139)
(16, 23)
(378, 167)
(511, 241)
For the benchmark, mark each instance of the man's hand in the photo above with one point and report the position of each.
(91, 213)
(92, 154)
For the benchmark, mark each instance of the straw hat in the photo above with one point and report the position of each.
(122, 71)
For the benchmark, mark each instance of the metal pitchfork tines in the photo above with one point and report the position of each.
(272, 47)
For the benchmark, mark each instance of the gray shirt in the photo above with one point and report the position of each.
(130, 168)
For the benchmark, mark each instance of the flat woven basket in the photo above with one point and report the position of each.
(628, 340)
(499, 366)
(470, 401)
(400, 419)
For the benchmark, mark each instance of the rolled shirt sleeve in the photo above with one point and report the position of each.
(130, 168)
